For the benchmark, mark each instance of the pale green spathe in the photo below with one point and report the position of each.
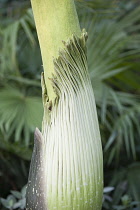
(74, 167)
(67, 167)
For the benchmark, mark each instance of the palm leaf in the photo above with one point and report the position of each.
(124, 129)
(9, 34)
(110, 47)
(19, 114)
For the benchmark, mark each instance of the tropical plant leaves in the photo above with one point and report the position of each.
(113, 54)
(19, 114)
(126, 188)
(134, 181)
(109, 50)
(16, 148)
(9, 39)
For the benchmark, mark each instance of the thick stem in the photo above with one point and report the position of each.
(56, 20)
(66, 169)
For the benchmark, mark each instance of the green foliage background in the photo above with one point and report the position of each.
(114, 67)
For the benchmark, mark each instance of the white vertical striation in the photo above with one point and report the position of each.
(71, 146)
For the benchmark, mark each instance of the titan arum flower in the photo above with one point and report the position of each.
(66, 169)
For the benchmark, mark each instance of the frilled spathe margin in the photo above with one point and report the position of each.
(71, 153)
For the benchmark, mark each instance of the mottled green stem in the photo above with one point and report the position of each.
(56, 20)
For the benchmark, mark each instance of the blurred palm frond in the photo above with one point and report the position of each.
(111, 56)
(19, 114)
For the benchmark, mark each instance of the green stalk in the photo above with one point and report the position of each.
(56, 20)
(66, 169)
